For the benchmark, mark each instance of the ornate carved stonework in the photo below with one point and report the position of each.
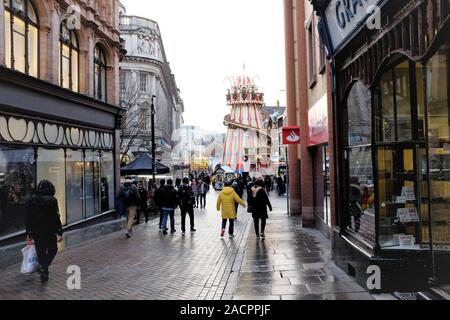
(148, 44)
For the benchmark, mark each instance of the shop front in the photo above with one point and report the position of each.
(38, 142)
(392, 119)
(320, 157)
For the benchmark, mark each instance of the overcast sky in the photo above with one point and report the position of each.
(207, 41)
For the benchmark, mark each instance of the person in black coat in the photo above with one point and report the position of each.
(260, 202)
(170, 203)
(143, 204)
(43, 225)
(187, 200)
(159, 199)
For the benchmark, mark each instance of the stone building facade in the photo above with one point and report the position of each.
(146, 77)
(59, 120)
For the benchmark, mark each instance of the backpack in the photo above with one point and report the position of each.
(128, 195)
(187, 196)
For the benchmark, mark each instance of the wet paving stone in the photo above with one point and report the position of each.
(292, 289)
(291, 263)
(303, 256)
(305, 280)
(323, 288)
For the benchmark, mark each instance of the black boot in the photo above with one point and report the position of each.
(44, 276)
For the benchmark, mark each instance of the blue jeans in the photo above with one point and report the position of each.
(166, 213)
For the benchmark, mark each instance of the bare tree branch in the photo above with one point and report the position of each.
(134, 122)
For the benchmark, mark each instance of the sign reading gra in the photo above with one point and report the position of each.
(345, 16)
(291, 135)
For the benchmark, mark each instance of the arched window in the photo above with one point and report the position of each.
(360, 190)
(99, 74)
(69, 58)
(21, 36)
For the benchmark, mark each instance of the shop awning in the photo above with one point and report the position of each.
(143, 166)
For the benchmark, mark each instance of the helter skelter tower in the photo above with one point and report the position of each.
(246, 136)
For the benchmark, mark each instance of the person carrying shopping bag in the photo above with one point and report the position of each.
(260, 202)
(226, 204)
(43, 226)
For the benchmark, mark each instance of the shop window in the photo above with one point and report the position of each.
(17, 182)
(360, 179)
(51, 166)
(396, 106)
(403, 101)
(322, 184)
(92, 183)
(69, 58)
(438, 88)
(74, 185)
(21, 36)
(361, 193)
(359, 115)
(386, 121)
(398, 200)
(107, 182)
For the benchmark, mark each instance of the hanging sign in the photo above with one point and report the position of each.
(291, 135)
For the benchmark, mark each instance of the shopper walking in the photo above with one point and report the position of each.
(239, 192)
(202, 191)
(260, 202)
(187, 200)
(129, 194)
(195, 185)
(159, 200)
(170, 203)
(268, 184)
(43, 225)
(226, 204)
(143, 203)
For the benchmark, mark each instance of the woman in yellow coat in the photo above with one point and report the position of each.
(226, 203)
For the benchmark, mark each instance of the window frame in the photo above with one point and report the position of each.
(346, 150)
(72, 49)
(103, 66)
(23, 15)
(311, 52)
(142, 85)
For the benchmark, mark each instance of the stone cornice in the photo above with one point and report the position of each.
(34, 84)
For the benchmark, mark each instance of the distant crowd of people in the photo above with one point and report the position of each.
(187, 194)
(44, 227)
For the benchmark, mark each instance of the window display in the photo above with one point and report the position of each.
(399, 196)
(17, 181)
(75, 185)
(92, 183)
(51, 166)
(107, 182)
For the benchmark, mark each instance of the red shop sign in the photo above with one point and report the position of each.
(291, 135)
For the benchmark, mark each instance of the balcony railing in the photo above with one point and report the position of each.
(133, 22)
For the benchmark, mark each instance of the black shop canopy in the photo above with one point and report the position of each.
(142, 166)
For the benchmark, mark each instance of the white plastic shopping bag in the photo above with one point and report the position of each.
(30, 262)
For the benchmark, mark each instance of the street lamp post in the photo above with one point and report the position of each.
(153, 139)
